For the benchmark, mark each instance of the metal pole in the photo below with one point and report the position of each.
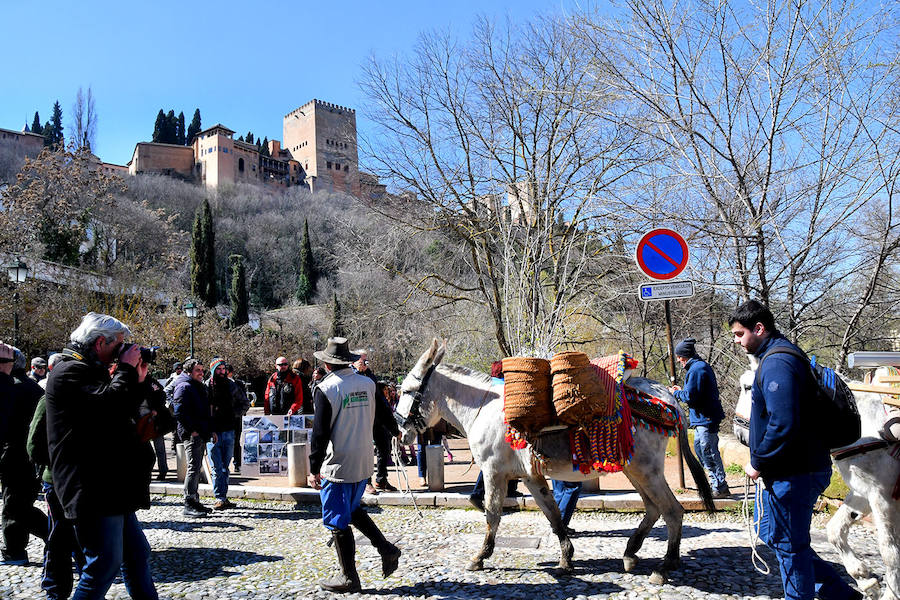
(16, 319)
(192, 338)
(672, 382)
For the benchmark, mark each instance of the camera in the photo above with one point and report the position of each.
(148, 354)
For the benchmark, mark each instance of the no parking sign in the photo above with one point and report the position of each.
(662, 254)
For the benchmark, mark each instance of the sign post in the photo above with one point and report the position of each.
(662, 254)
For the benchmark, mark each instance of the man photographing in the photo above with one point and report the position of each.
(97, 459)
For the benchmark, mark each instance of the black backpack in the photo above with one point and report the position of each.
(836, 415)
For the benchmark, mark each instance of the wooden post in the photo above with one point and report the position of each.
(672, 379)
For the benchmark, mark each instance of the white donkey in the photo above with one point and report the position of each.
(470, 403)
(871, 477)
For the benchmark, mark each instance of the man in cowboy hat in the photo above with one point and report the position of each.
(340, 461)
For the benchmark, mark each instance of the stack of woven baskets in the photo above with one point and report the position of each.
(526, 393)
(578, 392)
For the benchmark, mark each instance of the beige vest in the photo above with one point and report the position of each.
(350, 453)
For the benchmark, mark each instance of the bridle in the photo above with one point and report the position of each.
(415, 420)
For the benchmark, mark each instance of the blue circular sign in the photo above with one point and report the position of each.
(662, 254)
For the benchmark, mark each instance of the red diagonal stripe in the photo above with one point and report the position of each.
(663, 254)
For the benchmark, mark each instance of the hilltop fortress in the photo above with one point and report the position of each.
(319, 152)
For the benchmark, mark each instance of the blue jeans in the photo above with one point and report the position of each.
(339, 500)
(109, 544)
(56, 579)
(787, 506)
(220, 454)
(566, 494)
(706, 446)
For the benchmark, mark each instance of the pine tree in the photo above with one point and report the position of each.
(179, 130)
(193, 129)
(36, 124)
(337, 321)
(57, 139)
(203, 256)
(306, 281)
(238, 292)
(159, 127)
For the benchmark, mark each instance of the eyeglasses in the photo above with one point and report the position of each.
(281, 364)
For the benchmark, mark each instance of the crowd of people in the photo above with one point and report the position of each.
(65, 414)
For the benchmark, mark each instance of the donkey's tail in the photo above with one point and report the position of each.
(697, 471)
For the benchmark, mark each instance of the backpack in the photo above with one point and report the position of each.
(836, 416)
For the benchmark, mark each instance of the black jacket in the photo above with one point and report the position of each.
(191, 400)
(99, 465)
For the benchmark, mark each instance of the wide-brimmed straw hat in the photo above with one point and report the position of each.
(336, 352)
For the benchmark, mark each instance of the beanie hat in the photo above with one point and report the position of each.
(216, 362)
(685, 348)
(37, 361)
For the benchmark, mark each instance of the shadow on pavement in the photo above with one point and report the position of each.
(199, 524)
(498, 591)
(193, 564)
(658, 533)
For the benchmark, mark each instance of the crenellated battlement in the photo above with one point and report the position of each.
(298, 112)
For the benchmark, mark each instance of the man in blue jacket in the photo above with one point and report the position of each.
(701, 394)
(192, 412)
(788, 454)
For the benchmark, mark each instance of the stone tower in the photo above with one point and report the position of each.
(322, 137)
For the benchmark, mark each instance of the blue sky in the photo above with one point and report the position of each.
(243, 64)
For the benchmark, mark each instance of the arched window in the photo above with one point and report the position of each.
(241, 165)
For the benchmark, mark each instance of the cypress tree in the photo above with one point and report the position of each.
(159, 127)
(46, 132)
(306, 281)
(238, 293)
(57, 139)
(250, 138)
(179, 130)
(203, 256)
(337, 321)
(265, 147)
(171, 127)
(36, 124)
(194, 128)
(240, 138)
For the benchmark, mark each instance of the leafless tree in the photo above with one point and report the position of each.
(779, 125)
(83, 131)
(510, 151)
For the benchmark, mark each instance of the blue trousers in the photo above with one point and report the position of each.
(566, 494)
(220, 453)
(339, 500)
(109, 544)
(56, 579)
(787, 507)
(706, 447)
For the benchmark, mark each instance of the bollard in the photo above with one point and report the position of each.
(180, 462)
(434, 465)
(298, 464)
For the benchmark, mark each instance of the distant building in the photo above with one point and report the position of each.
(21, 143)
(321, 137)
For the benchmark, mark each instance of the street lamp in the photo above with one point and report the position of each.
(191, 310)
(18, 273)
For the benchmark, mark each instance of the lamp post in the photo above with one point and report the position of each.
(191, 311)
(18, 273)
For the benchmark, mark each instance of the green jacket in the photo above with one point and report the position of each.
(38, 449)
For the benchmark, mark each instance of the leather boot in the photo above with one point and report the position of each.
(390, 554)
(348, 579)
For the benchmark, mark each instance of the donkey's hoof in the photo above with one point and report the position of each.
(630, 563)
(475, 565)
(562, 570)
(657, 578)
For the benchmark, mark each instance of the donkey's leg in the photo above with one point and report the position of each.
(661, 496)
(854, 507)
(886, 515)
(494, 496)
(537, 485)
(636, 540)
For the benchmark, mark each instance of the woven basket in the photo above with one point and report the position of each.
(526, 393)
(578, 393)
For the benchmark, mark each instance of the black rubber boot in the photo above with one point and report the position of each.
(348, 579)
(390, 554)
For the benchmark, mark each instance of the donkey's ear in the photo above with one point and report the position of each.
(440, 353)
(425, 360)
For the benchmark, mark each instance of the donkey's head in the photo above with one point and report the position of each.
(416, 410)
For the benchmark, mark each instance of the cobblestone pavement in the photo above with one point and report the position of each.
(269, 550)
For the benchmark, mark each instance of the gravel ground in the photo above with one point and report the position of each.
(269, 550)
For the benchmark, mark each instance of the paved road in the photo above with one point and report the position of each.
(268, 550)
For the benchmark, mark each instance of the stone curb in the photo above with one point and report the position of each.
(610, 502)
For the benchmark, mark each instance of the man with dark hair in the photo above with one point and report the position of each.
(192, 413)
(701, 394)
(788, 455)
(97, 459)
(227, 404)
(340, 463)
